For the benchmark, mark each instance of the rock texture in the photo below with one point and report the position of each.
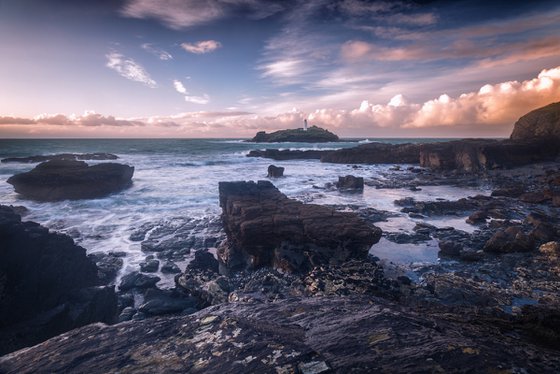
(471, 155)
(317, 335)
(275, 171)
(313, 134)
(350, 182)
(69, 179)
(62, 156)
(265, 228)
(375, 153)
(47, 284)
(542, 123)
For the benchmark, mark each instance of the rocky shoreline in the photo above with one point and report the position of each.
(292, 287)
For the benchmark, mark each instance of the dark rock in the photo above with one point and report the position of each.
(127, 314)
(287, 154)
(47, 284)
(159, 302)
(149, 266)
(316, 335)
(542, 123)
(477, 217)
(138, 280)
(275, 171)
(536, 197)
(170, 268)
(62, 156)
(375, 153)
(450, 248)
(108, 264)
(514, 191)
(509, 240)
(350, 182)
(65, 179)
(204, 260)
(266, 229)
(313, 134)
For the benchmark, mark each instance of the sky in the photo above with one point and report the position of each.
(230, 68)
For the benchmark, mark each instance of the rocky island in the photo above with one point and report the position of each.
(312, 134)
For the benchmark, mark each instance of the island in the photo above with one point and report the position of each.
(312, 134)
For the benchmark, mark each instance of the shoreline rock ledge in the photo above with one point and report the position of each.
(265, 228)
(57, 180)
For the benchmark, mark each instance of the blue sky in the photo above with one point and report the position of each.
(227, 68)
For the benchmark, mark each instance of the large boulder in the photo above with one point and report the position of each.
(316, 335)
(265, 228)
(47, 284)
(375, 153)
(275, 171)
(542, 123)
(69, 179)
(313, 135)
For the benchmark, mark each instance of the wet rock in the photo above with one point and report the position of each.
(139, 234)
(170, 268)
(47, 284)
(275, 171)
(350, 182)
(65, 179)
(62, 156)
(550, 249)
(266, 229)
(160, 302)
(127, 314)
(450, 248)
(108, 264)
(138, 280)
(149, 266)
(477, 217)
(515, 191)
(375, 153)
(537, 197)
(338, 334)
(509, 240)
(287, 154)
(204, 260)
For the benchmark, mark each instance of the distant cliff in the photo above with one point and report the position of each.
(542, 123)
(313, 135)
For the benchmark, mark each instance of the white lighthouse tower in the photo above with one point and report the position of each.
(305, 125)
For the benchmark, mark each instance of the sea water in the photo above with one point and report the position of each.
(177, 180)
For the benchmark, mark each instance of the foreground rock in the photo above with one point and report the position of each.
(375, 153)
(313, 134)
(317, 335)
(47, 285)
(68, 179)
(275, 171)
(265, 228)
(350, 182)
(542, 123)
(62, 156)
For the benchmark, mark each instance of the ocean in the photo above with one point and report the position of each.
(175, 194)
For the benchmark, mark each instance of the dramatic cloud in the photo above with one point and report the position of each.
(201, 47)
(178, 14)
(129, 69)
(159, 53)
(88, 119)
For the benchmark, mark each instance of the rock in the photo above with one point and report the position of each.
(287, 154)
(170, 268)
(477, 217)
(324, 334)
(149, 266)
(108, 264)
(265, 228)
(313, 134)
(47, 284)
(450, 248)
(160, 302)
(509, 240)
(275, 171)
(350, 182)
(550, 249)
(138, 280)
(62, 156)
(514, 191)
(375, 153)
(204, 260)
(66, 179)
(542, 123)
(537, 197)
(127, 314)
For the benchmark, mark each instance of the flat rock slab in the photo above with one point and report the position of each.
(72, 180)
(317, 335)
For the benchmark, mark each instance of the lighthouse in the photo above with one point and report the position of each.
(305, 125)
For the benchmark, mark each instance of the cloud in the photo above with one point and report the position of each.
(129, 69)
(204, 99)
(201, 47)
(179, 14)
(159, 53)
(179, 87)
(8, 120)
(88, 119)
